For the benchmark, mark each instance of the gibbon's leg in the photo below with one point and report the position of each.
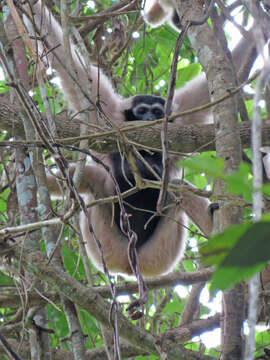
(97, 184)
(158, 256)
(114, 243)
(157, 12)
(165, 248)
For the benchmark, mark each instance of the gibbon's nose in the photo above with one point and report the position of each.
(149, 116)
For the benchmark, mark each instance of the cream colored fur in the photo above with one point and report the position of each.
(157, 12)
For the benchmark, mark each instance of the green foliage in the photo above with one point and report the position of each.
(266, 190)
(189, 265)
(239, 252)
(54, 98)
(90, 327)
(5, 280)
(148, 62)
(3, 87)
(217, 247)
(73, 264)
(205, 163)
(262, 344)
(57, 322)
(187, 73)
(215, 353)
(249, 107)
(3, 198)
(174, 306)
(238, 183)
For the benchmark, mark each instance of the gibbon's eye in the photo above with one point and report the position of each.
(158, 113)
(142, 110)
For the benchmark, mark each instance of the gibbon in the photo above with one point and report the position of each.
(160, 239)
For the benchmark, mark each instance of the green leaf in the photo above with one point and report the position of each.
(217, 248)
(189, 265)
(89, 323)
(187, 73)
(236, 263)
(252, 248)
(174, 306)
(166, 38)
(74, 267)
(3, 87)
(249, 107)
(200, 181)
(58, 322)
(240, 182)
(225, 277)
(3, 198)
(5, 280)
(211, 165)
(266, 189)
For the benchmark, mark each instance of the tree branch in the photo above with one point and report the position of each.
(184, 139)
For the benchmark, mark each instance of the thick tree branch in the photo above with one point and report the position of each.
(170, 280)
(184, 139)
(127, 351)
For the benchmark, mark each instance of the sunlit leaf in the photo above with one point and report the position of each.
(239, 252)
(240, 182)
(225, 277)
(217, 248)
(211, 165)
(5, 280)
(252, 248)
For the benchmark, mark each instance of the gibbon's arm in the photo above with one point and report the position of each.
(195, 92)
(101, 88)
(166, 247)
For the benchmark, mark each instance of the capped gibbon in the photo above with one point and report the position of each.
(160, 239)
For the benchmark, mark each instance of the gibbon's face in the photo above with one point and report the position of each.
(148, 107)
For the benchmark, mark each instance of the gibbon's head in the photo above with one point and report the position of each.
(146, 108)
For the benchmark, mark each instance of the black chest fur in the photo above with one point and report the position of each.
(141, 205)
